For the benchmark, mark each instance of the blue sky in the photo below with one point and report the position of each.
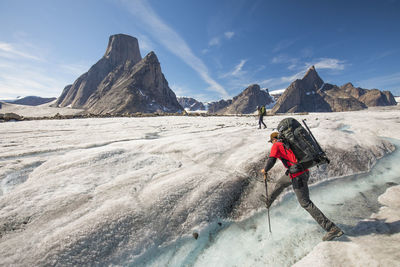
(208, 50)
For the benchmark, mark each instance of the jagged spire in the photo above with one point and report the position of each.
(312, 79)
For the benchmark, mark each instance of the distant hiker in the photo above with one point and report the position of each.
(299, 180)
(261, 113)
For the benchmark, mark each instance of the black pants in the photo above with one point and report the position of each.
(300, 188)
(260, 120)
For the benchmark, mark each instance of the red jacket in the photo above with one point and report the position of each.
(286, 155)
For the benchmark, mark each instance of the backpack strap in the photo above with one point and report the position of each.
(295, 167)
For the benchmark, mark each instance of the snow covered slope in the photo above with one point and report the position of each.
(109, 191)
(37, 111)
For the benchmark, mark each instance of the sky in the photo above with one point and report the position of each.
(208, 50)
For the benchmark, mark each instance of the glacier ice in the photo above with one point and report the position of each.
(127, 190)
(294, 233)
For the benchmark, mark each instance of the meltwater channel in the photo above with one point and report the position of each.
(345, 200)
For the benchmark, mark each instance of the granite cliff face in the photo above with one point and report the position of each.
(247, 101)
(121, 82)
(311, 94)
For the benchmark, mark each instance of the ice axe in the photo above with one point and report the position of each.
(266, 200)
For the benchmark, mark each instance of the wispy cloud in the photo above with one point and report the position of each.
(179, 90)
(229, 35)
(214, 42)
(172, 41)
(328, 63)
(321, 63)
(18, 79)
(381, 55)
(382, 82)
(236, 71)
(242, 75)
(285, 59)
(217, 40)
(75, 69)
(183, 91)
(205, 51)
(9, 50)
(23, 73)
(282, 45)
(239, 67)
(284, 80)
(145, 44)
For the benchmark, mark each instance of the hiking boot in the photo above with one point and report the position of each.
(333, 233)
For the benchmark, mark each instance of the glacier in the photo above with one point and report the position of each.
(133, 191)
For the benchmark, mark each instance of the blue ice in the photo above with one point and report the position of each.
(345, 200)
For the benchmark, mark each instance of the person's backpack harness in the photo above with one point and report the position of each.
(303, 144)
(263, 111)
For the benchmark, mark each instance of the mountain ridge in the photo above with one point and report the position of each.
(311, 94)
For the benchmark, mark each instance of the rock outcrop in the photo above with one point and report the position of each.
(191, 104)
(370, 98)
(311, 94)
(121, 82)
(337, 100)
(217, 106)
(10, 117)
(390, 98)
(248, 100)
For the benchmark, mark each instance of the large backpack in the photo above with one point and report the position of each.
(301, 141)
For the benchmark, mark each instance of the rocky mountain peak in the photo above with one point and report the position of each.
(121, 48)
(121, 82)
(191, 104)
(253, 88)
(346, 85)
(312, 79)
(151, 58)
(248, 100)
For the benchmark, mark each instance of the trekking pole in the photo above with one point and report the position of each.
(266, 197)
